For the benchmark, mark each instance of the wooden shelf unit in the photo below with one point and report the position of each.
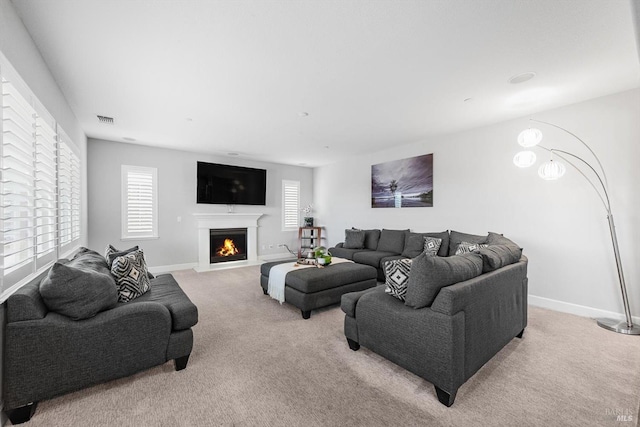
(308, 238)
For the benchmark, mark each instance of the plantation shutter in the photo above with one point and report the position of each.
(139, 202)
(17, 185)
(290, 204)
(45, 192)
(69, 192)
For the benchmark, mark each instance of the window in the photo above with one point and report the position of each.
(139, 202)
(69, 193)
(290, 204)
(39, 185)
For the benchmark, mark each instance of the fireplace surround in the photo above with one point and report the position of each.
(216, 221)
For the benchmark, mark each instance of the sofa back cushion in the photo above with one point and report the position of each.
(392, 241)
(455, 238)
(371, 239)
(354, 239)
(81, 288)
(429, 274)
(414, 243)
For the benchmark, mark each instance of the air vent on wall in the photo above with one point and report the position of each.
(106, 120)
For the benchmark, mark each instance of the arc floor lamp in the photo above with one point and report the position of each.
(597, 178)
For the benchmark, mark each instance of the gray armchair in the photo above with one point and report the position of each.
(447, 342)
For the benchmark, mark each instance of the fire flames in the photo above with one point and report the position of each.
(227, 249)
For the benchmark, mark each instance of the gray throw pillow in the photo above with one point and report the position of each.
(130, 272)
(354, 239)
(78, 292)
(414, 243)
(392, 241)
(498, 256)
(499, 239)
(455, 238)
(429, 274)
(397, 273)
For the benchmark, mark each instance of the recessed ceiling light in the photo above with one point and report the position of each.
(233, 154)
(128, 138)
(302, 164)
(467, 99)
(521, 78)
(303, 114)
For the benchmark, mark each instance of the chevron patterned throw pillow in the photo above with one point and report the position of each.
(397, 277)
(466, 247)
(130, 272)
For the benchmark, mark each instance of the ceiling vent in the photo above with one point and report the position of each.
(105, 120)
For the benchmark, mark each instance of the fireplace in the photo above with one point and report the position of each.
(228, 244)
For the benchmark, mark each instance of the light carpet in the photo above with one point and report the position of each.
(258, 363)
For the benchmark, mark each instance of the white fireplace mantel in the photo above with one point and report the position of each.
(210, 221)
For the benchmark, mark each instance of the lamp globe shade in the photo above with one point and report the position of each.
(551, 170)
(524, 159)
(529, 137)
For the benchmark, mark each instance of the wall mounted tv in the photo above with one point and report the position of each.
(231, 185)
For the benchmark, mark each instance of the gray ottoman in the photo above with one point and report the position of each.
(312, 288)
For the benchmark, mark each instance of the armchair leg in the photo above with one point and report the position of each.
(353, 345)
(306, 314)
(520, 334)
(445, 398)
(22, 414)
(181, 362)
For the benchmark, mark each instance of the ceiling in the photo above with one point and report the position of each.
(311, 82)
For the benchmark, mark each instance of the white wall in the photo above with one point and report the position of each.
(561, 224)
(18, 47)
(178, 242)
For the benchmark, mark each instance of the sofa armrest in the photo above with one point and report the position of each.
(495, 311)
(56, 354)
(348, 301)
(486, 288)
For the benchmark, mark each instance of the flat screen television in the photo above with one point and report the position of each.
(231, 185)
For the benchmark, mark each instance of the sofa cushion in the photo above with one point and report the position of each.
(414, 243)
(371, 239)
(466, 247)
(429, 274)
(371, 258)
(130, 272)
(165, 290)
(77, 290)
(397, 277)
(455, 238)
(392, 241)
(341, 252)
(497, 256)
(354, 239)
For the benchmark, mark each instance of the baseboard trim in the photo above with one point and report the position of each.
(579, 310)
(277, 257)
(174, 267)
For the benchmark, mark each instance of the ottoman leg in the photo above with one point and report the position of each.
(353, 345)
(306, 314)
(264, 291)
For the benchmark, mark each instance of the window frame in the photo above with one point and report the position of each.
(124, 233)
(285, 226)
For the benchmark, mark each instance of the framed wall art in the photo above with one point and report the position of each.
(405, 183)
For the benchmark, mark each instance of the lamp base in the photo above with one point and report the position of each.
(618, 326)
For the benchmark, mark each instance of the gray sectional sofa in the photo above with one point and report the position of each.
(47, 353)
(457, 312)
